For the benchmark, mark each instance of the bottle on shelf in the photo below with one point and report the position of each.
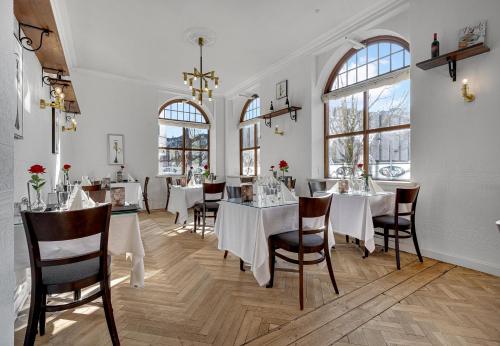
(435, 47)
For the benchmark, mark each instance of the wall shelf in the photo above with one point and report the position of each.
(451, 58)
(289, 110)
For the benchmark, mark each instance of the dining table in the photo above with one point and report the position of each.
(182, 198)
(243, 228)
(133, 192)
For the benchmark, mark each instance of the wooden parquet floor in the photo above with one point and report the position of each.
(192, 296)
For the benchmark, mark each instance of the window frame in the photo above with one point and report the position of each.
(255, 147)
(366, 131)
(184, 149)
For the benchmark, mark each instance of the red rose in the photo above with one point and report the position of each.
(206, 166)
(283, 164)
(360, 165)
(272, 167)
(66, 167)
(36, 169)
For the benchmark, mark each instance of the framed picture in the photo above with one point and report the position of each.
(471, 35)
(19, 117)
(115, 149)
(117, 196)
(56, 130)
(282, 89)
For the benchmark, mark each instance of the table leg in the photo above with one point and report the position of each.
(176, 216)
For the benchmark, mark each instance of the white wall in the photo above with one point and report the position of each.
(7, 111)
(110, 104)
(455, 144)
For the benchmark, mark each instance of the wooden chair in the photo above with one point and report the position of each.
(292, 184)
(316, 186)
(53, 276)
(304, 241)
(169, 186)
(398, 224)
(89, 188)
(245, 180)
(98, 196)
(145, 194)
(208, 205)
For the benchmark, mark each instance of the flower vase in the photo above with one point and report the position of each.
(367, 184)
(38, 204)
(275, 174)
(119, 176)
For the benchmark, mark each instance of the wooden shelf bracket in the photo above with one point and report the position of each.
(27, 42)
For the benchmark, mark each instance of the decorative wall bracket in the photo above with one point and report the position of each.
(48, 80)
(290, 110)
(27, 42)
(452, 68)
(268, 122)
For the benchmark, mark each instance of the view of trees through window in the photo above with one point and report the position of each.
(182, 147)
(249, 139)
(371, 127)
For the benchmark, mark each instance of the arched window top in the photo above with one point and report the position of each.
(382, 55)
(251, 110)
(183, 110)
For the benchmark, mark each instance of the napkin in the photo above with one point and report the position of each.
(75, 200)
(87, 202)
(287, 194)
(130, 178)
(86, 181)
(374, 187)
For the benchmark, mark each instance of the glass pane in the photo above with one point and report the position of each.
(169, 161)
(397, 61)
(395, 47)
(197, 160)
(343, 68)
(390, 155)
(372, 69)
(361, 56)
(384, 49)
(247, 136)
(351, 63)
(258, 135)
(343, 154)
(196, 138)
(346, 114)
(407, 58)
(373, 52)
(258, 161)
(389, 105)
(384, 65)
(247, 162)
(170, 136)
(351, 77)
(342, 80)
(361, 73)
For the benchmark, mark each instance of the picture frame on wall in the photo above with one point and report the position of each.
(282, 89)
(116, 155)
(19, 85)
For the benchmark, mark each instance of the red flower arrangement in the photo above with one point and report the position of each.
(36, 181)
(206, 173)
(283, 165)
(66, 168)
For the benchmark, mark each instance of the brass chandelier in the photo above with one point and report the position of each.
(203, 78)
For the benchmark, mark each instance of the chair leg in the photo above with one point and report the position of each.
(272, 260)
(146, 202)
(415, 242)
(301, 280)
(34, 315)
(41, 327)
(204, 216)
(108, 311)
(168, 199)
(225, 254)
(386, 239)
(396, 243)
(176, 217)
(242, 265)
(330, 269)
(347, 239)
(195, 220)
(77, 295)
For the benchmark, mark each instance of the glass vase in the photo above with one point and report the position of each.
(38, 204)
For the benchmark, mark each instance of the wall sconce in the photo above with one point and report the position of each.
(466, 94)
(58, 102)
(277, 131)
(72, 123)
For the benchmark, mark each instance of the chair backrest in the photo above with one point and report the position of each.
(233, 191)
(98, 196)
(91, 187)
(292, 183)
(316, 186)
(212, 189)
(169, 182)
(406, 196)
(245, 180)
(314, 207)
(146, 182)
(68, 225)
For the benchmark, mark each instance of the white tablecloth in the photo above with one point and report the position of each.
(124, 239)
(352, 214)
(133, 192)
(244, 231)
(183, 198)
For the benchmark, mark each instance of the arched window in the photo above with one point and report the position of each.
(183, 140)
(367, 111)
(249, 138)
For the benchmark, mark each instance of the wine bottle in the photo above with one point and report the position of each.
(435, 47)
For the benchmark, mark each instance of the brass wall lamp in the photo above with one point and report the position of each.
(71, 120)
(58, 102)
(466, 94)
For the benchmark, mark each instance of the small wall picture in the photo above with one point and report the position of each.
(471, 35)
(118, 196)
(282, 89)
(115, 149)
(18, 122)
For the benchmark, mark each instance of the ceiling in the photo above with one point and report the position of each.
(145, 39)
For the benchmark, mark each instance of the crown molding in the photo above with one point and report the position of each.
(334, 37)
